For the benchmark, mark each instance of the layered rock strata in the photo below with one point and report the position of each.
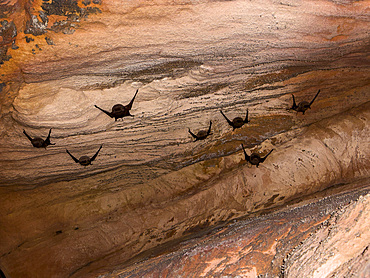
(320, 237)
(102, 223)
(151, 183)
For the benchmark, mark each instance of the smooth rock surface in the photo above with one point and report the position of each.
(151, 184)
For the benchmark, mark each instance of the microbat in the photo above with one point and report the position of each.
(255, 158)
(202, 134)
(84, 160)
(237, 122)
(119, 110)
(304, 105)
(38, 142)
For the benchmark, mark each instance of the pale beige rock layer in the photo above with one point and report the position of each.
(151, 183)
(338, 250)
(189, 63)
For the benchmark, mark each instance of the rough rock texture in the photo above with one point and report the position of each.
(151, 183)
(286, 243)
(339, 249)
(98, 216)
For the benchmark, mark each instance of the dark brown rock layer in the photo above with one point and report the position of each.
(151, 183)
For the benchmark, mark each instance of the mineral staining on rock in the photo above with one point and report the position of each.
(271, 245)
(38, 23)
(339, 247)
(190, 61)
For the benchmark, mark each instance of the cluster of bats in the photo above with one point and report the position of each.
(120, 111)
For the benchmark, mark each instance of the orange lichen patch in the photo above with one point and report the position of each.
(38, 19)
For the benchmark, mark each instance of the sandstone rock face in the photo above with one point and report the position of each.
(286, 243)
(151, 183)
(339, 249)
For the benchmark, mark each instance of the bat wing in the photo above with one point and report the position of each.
(294, 106)
(314, 98)
(229, 122)
(209, 129)
(29, 137)
(247, 157)
(106, 112)
(263, 159)
(129, 106)
(192, 134)
(246, 118)
(96, 154)
(75, 159)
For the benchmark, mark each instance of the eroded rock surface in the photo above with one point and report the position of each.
(310, 239)
(151, 183)
(339, 248)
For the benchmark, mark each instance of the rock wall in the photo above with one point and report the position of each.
(151, 183)
(322, 237)
(339, 248)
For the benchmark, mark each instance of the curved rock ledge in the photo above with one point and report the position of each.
(151, 183)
